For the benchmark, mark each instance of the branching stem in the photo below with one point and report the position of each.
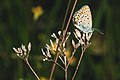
(57, 64)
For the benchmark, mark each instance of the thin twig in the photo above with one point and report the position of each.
(66, 15)
(65, 67)
(61, 60)
(69, 21)
(32, 69)
(53, 67)
(65, 73)
(79, 62)
(57, 64)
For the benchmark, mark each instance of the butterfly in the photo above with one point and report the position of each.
(82, 20)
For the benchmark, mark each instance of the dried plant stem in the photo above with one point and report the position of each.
(32, 69)
(57, 64)
(61, 60)
(53, 67)
(66, 15)
(65, 73)
(65, 67)
(81, 56)
(69, 20)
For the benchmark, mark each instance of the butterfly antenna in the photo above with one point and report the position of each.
(98, 30)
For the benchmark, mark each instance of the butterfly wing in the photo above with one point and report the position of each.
(82, 19)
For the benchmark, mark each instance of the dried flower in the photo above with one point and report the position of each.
(22, 51)
(29, 47)
(83, 38)
(46, 54)
(53, 46)
(73, 43)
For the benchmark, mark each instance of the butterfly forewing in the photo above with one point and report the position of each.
(83, 17)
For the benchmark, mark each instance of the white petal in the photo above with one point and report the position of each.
(47, 46)
(69, 33)
(53, 35)
(29, 46)
(48, 53)
(78, 33)
(76, 36)
(51, 42)
(59, 49)
(44, 59)
(63, 44)
(73, 43)
(59, 32)
(15, 50)
(23, 48)
(77, 45)
(20, 50)
(18, 55)
(57, 40)
(43, 53)
(81, 42)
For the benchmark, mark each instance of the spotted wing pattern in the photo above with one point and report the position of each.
(82, 19)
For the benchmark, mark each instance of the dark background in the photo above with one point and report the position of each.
(17, 26)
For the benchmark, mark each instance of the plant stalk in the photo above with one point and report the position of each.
(79, 62)
(32, 69)
(65, 67)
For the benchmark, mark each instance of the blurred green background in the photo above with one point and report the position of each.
(24, 21)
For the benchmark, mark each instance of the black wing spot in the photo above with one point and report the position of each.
(82, 16)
